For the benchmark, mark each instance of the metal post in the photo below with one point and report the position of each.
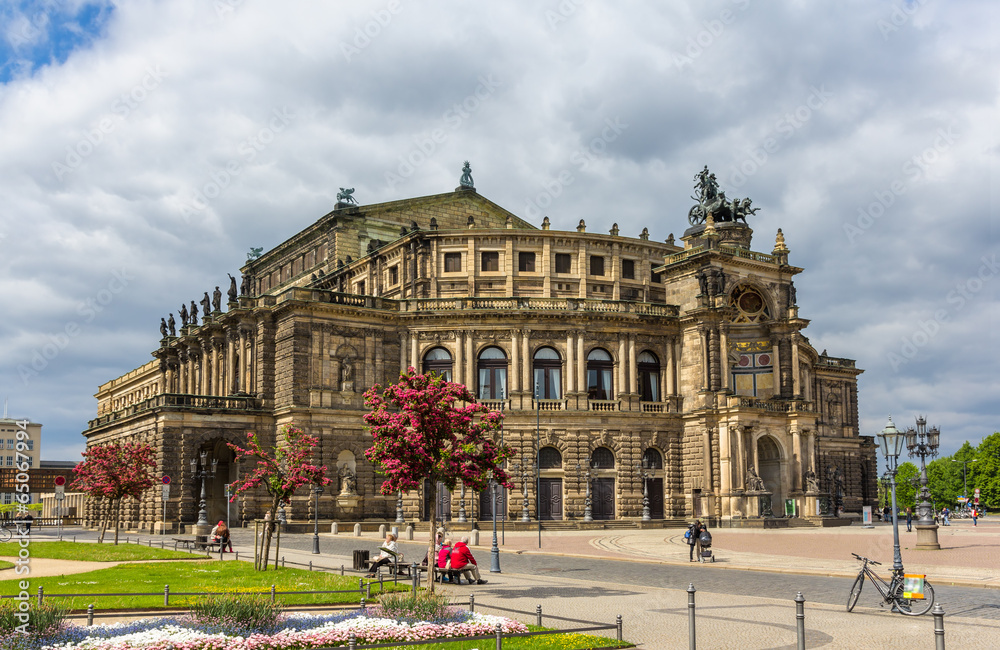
(352, 642)
(341, 569)
(461, 505)
(499, 634)
(538, 615)
(272, 593)
(494, 550)
(316, 491)
(692, 642)
(538, 466)
(41, 595)
(472, 603)
(938, 613)
(399, 508)
(166, 595)
(800, 621)
(90, 614)
(277, 546)
(256, 535)
(310, 565)
(618, 624)
(897, 558)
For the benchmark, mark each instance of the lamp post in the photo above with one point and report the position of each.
(921, 442)
(965, 484)
(587, 501)
(399, 508)
(642, 471)
(495, 550)
(317, 490)
(200, 471)
(892, 440)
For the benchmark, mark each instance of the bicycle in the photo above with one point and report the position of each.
(892, 591)
(5, 533)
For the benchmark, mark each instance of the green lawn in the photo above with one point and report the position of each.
(95, 552)
(5, 565)
(202, 576)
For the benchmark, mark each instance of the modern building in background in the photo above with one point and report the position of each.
(31, 454)
(603, 350)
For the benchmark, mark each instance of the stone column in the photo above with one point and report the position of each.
(797, 462)
(776, 361)
(810, 449)
(622, 383)
(570, 368)
(631, 373)
(244, 360)
(796, 383)
(725, 461)
(706, 377)
(526, 369)
(754, 451)
(739, 476)
(581, 364)
(217, 364)
(460, 357)
(671, 373)
(369, 374)
(515, 365)
(724, 356)
(414, 350)
(402, 352)
(470, 361)
(232, 336)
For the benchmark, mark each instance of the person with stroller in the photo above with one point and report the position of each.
(694, 539)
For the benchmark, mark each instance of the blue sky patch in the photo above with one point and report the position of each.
(36, 34)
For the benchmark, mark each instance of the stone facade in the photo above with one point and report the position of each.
(601, 349)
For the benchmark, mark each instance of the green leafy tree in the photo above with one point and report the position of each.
(985, 473)
(906, 489)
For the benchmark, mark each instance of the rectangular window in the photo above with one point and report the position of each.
(628, 269)
(452, 262)
(361, 288)
(563, 263)
(31, 445)
(526, 262)
(10, 461)
(491, 261)
(10, 444)
(655, 278)
(6, 497)
(596, 265)
(393, 275)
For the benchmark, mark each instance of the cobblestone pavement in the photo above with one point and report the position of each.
(744, 600)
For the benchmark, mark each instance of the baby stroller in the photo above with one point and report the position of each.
(706, 546)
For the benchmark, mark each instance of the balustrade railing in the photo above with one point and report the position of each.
(212, 402)
(549, 404)
(603, 404)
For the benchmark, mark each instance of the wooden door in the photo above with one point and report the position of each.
(603, 506)
(655, 488)
(443, 502)
(550, 499)
(486, 504)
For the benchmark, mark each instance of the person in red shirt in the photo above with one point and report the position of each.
(444, 557)
(462, 560)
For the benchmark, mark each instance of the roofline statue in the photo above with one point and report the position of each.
(711, 200)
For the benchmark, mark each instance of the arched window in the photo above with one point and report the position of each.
(492, 374)
(549, 458)
(547, 366)
(603, 458)
(652, 459)
(438, 360)
(649, 376)
(599, 367)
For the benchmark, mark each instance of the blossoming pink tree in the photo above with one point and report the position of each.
(113, 471)
(420, 432)
(281, 470)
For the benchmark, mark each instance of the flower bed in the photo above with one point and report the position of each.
(293, 632)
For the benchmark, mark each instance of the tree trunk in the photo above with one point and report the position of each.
(118, 513)
(102, 521)
(268, 532)
(431, 559)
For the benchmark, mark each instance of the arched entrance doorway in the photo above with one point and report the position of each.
(769, 468)
(226, 472)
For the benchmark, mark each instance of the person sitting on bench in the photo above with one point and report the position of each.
(221, 535)
(444, 558)
(388, 555)
(462, 560)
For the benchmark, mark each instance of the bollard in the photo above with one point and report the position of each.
(361, 584)
(938, 613)
(41, 596)
(381, 585)
(499, 633)
(472, 603)
(692, 642)
(90, 614)
(357, 530)
(414, 581)
(538, 615)
(166, 595)
(282, 561)
(334, 528)
(341, 569)
(74, 539)
(618, 624)
(310, 565)
(150, 543)
(237, 556)
(362, 604)
(409, 532)
(381, 531)
(368, 588)
(352, 643)
(800, 621)
(272, 593)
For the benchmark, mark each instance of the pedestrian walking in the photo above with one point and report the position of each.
(694, 539)
(909, 520)
(944, 516)
(975, 513)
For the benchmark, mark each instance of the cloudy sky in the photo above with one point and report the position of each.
(148, 145)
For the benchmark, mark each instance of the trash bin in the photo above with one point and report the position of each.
(360, 560)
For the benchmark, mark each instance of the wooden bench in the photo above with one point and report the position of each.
(196, 543)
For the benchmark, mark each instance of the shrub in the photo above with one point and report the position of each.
(43, 621)
(422, 606)
(238, 612)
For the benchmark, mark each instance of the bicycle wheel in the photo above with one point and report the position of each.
(914, 606)
(852, 600)
(5, 534)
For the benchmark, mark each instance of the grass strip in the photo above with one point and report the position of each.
(6, 565)
(95, 552)
(546, 642)
(200, 576)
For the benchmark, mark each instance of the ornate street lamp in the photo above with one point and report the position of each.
(642, 471)
(317, 490)
(494, 550)
(399, 508)
(201, 472)
(892, 440)
(922, 442)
